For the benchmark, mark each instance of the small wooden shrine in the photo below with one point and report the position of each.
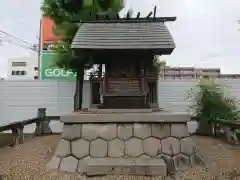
(126, 47)
(116, 139)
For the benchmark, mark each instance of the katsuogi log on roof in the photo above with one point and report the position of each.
(133, 34)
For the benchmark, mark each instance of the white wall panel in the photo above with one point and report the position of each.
(20, 100)
(172, 93)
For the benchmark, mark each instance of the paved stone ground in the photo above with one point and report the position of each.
(27, 162)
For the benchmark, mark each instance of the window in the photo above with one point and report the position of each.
(19, 63)
(23, 73)
(18, 73)
(35, 77)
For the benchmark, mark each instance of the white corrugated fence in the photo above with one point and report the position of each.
(20, 100)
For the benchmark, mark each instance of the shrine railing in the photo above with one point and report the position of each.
(123, 83)
(42, 126)
(230, 130)
(96, 86)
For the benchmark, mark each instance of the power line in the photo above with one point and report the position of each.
(32, 47)
(20, 42)
(14, 37)
(22, 23)
(19, 45)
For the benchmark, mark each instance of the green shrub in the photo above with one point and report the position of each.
(209, 102)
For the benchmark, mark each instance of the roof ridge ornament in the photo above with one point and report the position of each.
(128, 19)
(132, 20)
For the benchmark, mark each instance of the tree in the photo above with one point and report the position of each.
(64, 13)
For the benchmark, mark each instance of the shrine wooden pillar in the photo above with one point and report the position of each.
(142, 74)
(106, 79)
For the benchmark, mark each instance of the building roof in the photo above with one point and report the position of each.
(129, 36)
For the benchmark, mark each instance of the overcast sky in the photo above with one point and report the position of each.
(206, 31)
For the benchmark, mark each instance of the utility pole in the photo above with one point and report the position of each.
(1, 43)
(39, 48)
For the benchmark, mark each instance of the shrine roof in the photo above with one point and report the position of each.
(127, 35)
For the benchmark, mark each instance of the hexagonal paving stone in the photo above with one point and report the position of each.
(69, 164)
(142, 131)
(63, 148)
(116, 148)
(54, 163)
(80, 148)
(72, 132)
(82, 164)
(151, 146)
(125, 131)
(90, 131)
(187, 146)
(161, 130)
(133, 147)
(170, 146)
(108, 132)
(179, 130)
(98, 148)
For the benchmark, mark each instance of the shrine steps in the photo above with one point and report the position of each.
(125, 166)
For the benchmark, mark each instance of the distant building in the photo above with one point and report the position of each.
(188, 72)
(23, 67)
(208, 72)
(230, 76)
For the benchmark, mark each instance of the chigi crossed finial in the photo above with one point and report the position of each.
(106, 18)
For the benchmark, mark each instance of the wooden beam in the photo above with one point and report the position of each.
(138, 15)
(128, 15)
(107, 17)
(118, 17)
(125, 20)
(148, 16)
(154, 12)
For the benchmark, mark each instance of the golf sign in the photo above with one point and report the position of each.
(58, 73)
(49, 71)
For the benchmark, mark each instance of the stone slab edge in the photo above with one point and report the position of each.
(124, 166)
(154, 117)
(95, 110)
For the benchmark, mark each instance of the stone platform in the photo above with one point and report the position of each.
(137, 142)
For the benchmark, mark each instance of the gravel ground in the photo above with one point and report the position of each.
(27, 162)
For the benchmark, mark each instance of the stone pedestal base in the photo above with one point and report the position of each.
(124, 143)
